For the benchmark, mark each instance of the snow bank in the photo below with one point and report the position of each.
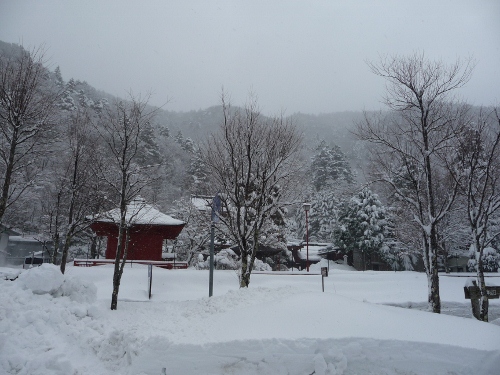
(48, 279)
(41, 280)
(43, 317)
(280, 325)
(308, 356)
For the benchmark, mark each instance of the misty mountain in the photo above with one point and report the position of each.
(197, 124)
(329, 127)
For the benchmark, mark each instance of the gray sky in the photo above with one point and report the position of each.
(295, 56)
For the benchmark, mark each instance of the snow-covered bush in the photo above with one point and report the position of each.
(490, 259)
(259, 265)
(227, 259)
(224, 260)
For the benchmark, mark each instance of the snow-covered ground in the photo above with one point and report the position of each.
(281, 324)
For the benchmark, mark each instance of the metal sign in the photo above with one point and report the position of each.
(216, 206)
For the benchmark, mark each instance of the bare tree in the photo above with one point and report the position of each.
(414, 142)
(27, 106)
(479, 163)
(71, 190)
(83, 190)
(253, 161)
(120, 128)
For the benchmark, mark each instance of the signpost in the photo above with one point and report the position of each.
(324, 273)
(211, 276)
(216, 205)
(150, 278)
(473, 292)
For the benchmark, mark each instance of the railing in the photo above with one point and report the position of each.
(158, 263)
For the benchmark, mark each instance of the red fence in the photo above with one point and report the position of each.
(100, 262)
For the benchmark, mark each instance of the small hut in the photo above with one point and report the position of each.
(147, 226)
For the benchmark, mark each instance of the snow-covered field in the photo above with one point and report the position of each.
(282, 324)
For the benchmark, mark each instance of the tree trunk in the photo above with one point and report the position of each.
(245, 280)
(116, 272)
(55, 251)
(483, 301)
(434, 298)
(67, 243)
(64, 257)
(245, 275)
(93, 247)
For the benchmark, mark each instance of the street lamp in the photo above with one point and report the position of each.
(307, 207)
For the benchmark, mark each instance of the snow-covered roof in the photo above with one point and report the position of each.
(201, 203)
(314, 252)
(138, 212)
(24, 239)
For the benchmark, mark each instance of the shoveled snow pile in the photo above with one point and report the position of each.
(61, 324)
(48, 279)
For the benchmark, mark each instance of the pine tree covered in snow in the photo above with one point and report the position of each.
(490, 258)
(329, 165)
(364, 225)
(148, 152)
(187, 144)
(58, 77)
(322, 217)
(198, 175)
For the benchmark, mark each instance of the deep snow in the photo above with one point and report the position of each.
(281, 324)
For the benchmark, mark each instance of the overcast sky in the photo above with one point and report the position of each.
(296, 56)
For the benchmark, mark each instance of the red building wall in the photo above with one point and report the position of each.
(146, 242)
(141, 247)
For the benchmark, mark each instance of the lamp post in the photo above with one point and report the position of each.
(307, 207)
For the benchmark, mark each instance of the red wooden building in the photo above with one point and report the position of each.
(148, 228)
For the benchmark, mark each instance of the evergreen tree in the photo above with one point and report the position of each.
(364, 225)
(59, 79)
(189, 145)
(179, 138)
(148, 151)
(197, 175)
(490, 258)
(322, 217)
(329, 165)
(164, 131)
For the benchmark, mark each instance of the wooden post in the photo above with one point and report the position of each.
(324, 273)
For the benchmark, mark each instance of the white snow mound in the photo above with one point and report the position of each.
(48, 279)
(41, 280)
